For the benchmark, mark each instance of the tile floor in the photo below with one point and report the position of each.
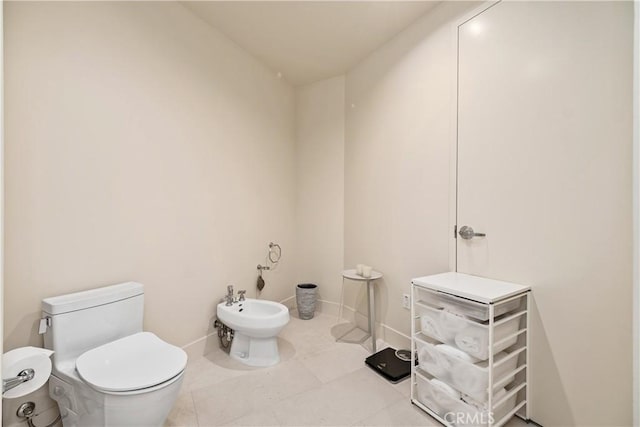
(318, 382)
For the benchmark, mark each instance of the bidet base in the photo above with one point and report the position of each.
(252, 351)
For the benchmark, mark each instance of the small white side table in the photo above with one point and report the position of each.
(371, 302)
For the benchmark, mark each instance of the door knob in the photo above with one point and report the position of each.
(467, 233)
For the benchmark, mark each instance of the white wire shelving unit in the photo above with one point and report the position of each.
(470, 335)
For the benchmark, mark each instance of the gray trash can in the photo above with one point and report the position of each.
(306, 295)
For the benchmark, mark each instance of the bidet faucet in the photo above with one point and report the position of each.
(229, 296)
(24, 375)
(241, 293)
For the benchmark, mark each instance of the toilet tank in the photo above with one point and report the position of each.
(85, 320)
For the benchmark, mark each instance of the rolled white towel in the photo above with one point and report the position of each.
(430, 327)
(431, 360)
(451, 324)
(500, 394)
(468, 379)
(424, 393)
(479, 390)
(470, 401)
(483, 406)
(457, 353)
(473, 341)
(442, 393)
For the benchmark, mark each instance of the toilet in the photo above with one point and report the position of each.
(256, 324)
(106, 370)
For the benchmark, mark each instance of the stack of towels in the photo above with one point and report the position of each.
(364, 270)
(450, 327)
(445, 397)
(458, 364)
(446, 362)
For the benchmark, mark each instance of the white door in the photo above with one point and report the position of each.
(544, 169)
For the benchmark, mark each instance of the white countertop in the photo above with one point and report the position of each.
(471, 287)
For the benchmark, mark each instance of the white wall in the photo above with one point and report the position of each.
(1, 181)
(535, 172)
(397, 159)
(140, 145)
(135, 153)
(398, 134)
(320, 186)
(636, 216)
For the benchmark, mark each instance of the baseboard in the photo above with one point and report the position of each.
(391, 336)
(395, 338)
(289, 302)
(199, 347)
(207, 343)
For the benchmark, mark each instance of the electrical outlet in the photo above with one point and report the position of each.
(406, 301)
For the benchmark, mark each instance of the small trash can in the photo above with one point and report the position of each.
(306, 295)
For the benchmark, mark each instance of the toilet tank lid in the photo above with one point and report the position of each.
(91, 298)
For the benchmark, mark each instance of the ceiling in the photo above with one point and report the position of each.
(309, 41)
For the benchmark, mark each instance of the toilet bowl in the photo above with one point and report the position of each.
(106, 370)
(256, 324)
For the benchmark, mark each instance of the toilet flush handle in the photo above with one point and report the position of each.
(45, 323)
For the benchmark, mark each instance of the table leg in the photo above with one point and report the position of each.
(371, 299)
(341, 302)
(355, 325)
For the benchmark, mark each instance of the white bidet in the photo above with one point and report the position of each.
(256, 324)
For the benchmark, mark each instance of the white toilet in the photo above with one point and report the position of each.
(106, 370)
(256, 324)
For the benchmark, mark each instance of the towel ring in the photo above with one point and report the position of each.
(275, 252)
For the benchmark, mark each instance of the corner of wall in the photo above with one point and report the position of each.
(1, 183)
(636, 217)
(319, 120)
(397, 168)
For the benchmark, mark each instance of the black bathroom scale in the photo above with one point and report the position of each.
(387, 363)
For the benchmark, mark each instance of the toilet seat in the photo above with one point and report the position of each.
(137, 362)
